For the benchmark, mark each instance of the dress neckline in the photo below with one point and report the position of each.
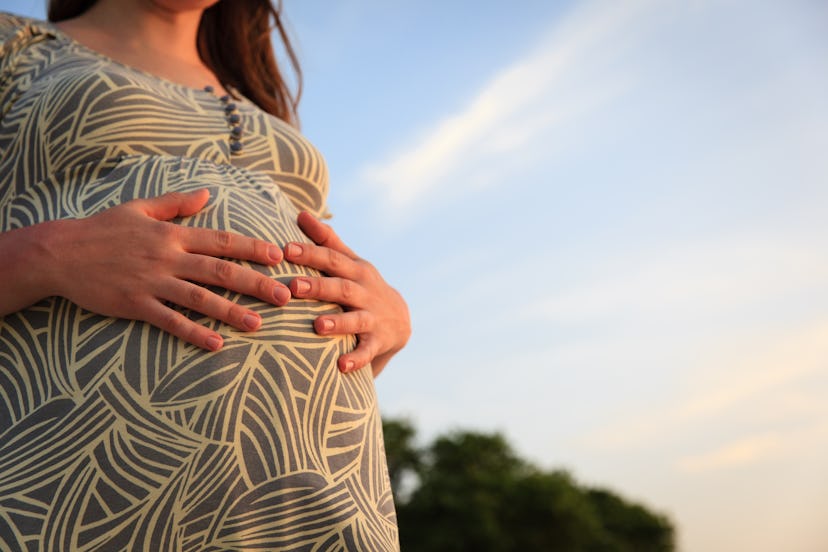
(69, 40)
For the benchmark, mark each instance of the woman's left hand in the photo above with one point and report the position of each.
(374, 311)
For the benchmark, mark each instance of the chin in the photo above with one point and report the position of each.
(185, 5)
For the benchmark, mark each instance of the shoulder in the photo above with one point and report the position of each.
(16, 30)
(27, 46)
(18, 36)
(9, 23)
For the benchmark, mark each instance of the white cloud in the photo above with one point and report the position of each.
(751, 450)
(637, 71)
(570, 75)
(686, 281)
(747, 383)
(732, 455)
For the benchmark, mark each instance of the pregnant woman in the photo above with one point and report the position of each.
(169, 379)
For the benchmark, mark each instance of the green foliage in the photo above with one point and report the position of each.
(473, 493)
(403, 456)
(631, 527)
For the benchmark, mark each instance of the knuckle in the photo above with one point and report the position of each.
(133, 301)
(348, 289)
(362, 358)
(334, 259)
(224, 239)
(368, 270)
(197, 297)
(254, 248)
(259, 249)
(224, 270)
(174, 323)
(372, 347)
(362, 322)
(234, 313)
(327, 233)
(264, 287)
(167, 231)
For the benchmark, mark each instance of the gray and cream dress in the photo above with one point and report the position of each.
(117, 436)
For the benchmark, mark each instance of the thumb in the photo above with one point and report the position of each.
(175, 204)
(322, 234)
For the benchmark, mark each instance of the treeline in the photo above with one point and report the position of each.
(469, 491)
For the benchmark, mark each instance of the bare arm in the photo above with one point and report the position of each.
(127, 261)
(26, 256)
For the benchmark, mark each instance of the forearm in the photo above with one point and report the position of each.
(28, 259)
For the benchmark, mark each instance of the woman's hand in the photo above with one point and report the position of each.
(375, 311)
(127, 261)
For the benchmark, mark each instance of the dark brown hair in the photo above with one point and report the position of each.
(234, 42)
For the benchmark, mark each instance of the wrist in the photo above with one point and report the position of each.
(27, 270)
(45, 246)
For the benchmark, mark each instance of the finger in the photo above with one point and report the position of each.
(204, 301)
(350, 322)
(358, 358)
(322, 234)
(232, 276)
(221, 243)
(335, 290)
(325, 259)
(174, 204)
(175, 323)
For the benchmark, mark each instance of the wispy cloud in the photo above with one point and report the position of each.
(686, 281)
(634, 65)
(767, 446)
(732, 455)
(570, 75)
(748, 382)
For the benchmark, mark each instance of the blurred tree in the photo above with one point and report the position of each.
(402, 453)
(549, 512)
(473, 493)
(631, 527)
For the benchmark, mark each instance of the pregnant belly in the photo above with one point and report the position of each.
(146, 417)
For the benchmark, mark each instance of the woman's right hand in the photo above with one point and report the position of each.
(125, 262)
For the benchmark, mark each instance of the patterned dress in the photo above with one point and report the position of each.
(117, 436)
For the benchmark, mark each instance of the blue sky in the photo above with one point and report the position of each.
(610, 220)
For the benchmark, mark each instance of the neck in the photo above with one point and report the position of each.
(146, 35)
(144, 25)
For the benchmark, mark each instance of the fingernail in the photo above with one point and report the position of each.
(302, 285)
(281, 295)
(327, 324)
(349, 366)
(251, 321)
(293, 250)
(214, 343)
(274, 253)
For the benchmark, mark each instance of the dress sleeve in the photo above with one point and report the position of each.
(17, 68)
